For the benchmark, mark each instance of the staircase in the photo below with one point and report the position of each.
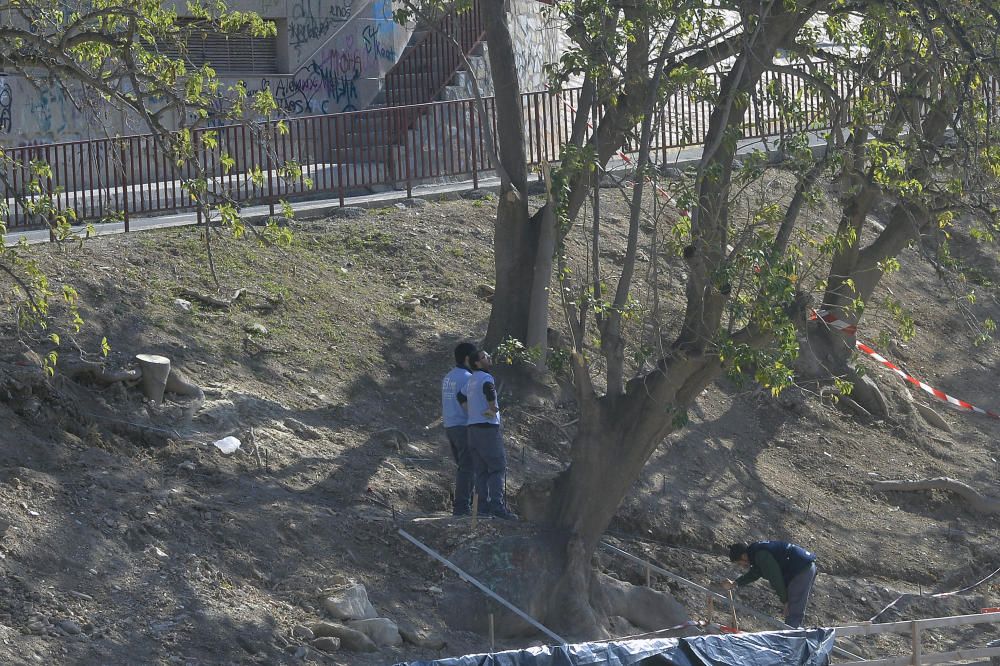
(430, 67)
(432, 57)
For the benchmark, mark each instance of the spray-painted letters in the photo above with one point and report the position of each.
(375, 47)
(312, 19)
(6, 99)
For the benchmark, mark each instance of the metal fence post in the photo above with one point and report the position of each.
(473, 112)
(125, 183)
(270, 170)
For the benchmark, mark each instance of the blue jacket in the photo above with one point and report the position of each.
(452, 412)
(777, 561)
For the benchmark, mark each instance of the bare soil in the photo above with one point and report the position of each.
(127, 537)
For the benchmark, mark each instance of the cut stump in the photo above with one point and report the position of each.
(155, 370)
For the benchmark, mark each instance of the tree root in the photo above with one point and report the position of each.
(267, 303)
(976, 500)
(98, 373)
(643, 607)
(178, 384)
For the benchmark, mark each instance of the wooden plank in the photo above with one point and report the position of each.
(959, 655)
(905, 626)
(927, 659)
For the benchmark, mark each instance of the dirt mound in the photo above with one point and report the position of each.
(127, 537)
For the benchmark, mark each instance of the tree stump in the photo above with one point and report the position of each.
(155, 370)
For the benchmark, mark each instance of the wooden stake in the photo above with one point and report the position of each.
(493, 647)
(732, 604)
(647, 576)
(710, 611)
(475, 509)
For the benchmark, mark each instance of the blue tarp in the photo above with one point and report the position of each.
(801, 647)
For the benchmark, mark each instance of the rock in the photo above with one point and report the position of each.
(348, 212)
(382, 631)
(672, 173)
(256, 328)
(326, 644)
(351, 603)
(477, 195)
(420, 637)
(301, 652)
(409, 305)
(932, 417)
(301, 430)
(485, 291)
(415, 203)
(300, 631)
(352, 640)
(69, 626)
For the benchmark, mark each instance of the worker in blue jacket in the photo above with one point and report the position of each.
(790, 569)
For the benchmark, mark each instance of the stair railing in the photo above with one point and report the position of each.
(427, 66)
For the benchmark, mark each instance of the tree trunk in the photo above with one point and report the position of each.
(538, 314)
(516, 235)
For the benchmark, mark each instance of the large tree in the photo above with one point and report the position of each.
(902, 87)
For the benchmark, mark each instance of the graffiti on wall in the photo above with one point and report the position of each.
(375, 47)
(310, 20)
(6, 100)
(326, 84)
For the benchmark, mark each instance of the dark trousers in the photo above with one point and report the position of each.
(799, 588)
(465, 476)
(490, 464)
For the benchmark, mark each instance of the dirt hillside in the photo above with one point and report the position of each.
(126, 537)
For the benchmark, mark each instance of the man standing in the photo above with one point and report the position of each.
(790, 569)
(455, 419)
(486, 439)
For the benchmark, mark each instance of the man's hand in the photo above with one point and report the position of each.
(728, 584)
(491, 412)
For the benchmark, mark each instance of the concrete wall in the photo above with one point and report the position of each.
(333, 54)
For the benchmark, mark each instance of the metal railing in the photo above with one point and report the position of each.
(425, 68)
(350, 153)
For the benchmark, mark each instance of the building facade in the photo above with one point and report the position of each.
(328, 56)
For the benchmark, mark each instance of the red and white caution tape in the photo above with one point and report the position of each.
(835, 323)
(849, 329)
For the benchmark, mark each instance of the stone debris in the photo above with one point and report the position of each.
(382, 631)
(350, 639)
(326, 644)
(351, 603)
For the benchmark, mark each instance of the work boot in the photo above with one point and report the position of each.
(504, 514)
